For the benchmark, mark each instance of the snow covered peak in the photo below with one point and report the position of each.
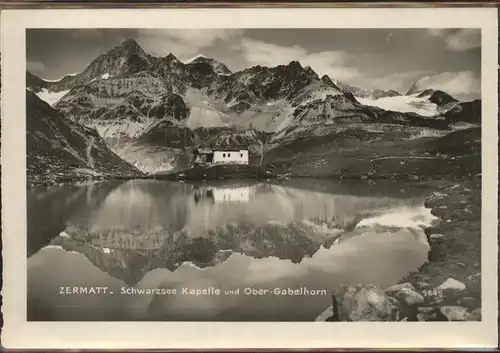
(218, 67)
(199, 56)
(172, 57)
(131, 45)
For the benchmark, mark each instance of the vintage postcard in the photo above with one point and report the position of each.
(251, 175)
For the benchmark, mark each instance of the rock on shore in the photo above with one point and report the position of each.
(447, 287)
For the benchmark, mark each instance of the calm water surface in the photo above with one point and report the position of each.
(306, 235)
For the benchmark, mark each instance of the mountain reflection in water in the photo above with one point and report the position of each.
(158, 234)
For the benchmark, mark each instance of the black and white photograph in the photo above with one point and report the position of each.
(254, 175)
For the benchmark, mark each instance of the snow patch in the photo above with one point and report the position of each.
(192, 265)
(194, 58)
(64, 234)
(59, 79)
(51, 97)
(452, 283)
(403, 104)
(58, 247)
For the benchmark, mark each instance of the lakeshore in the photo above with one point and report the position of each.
(454, 266)
(445, 288)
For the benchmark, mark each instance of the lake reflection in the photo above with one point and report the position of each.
(149, 235)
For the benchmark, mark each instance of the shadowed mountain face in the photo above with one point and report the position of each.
(467, 112)
(438, 97)
(59, 148)
(149, 109)
(130, 229)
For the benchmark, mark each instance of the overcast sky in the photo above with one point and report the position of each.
(449, 59)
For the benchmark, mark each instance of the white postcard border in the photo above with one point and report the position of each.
(18, 333)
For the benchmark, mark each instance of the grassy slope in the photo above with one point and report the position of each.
(363, 154)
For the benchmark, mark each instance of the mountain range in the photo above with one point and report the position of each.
(151, 111)
(63, 149)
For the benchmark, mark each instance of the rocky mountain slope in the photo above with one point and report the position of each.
(152, 111)
(59, 149)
